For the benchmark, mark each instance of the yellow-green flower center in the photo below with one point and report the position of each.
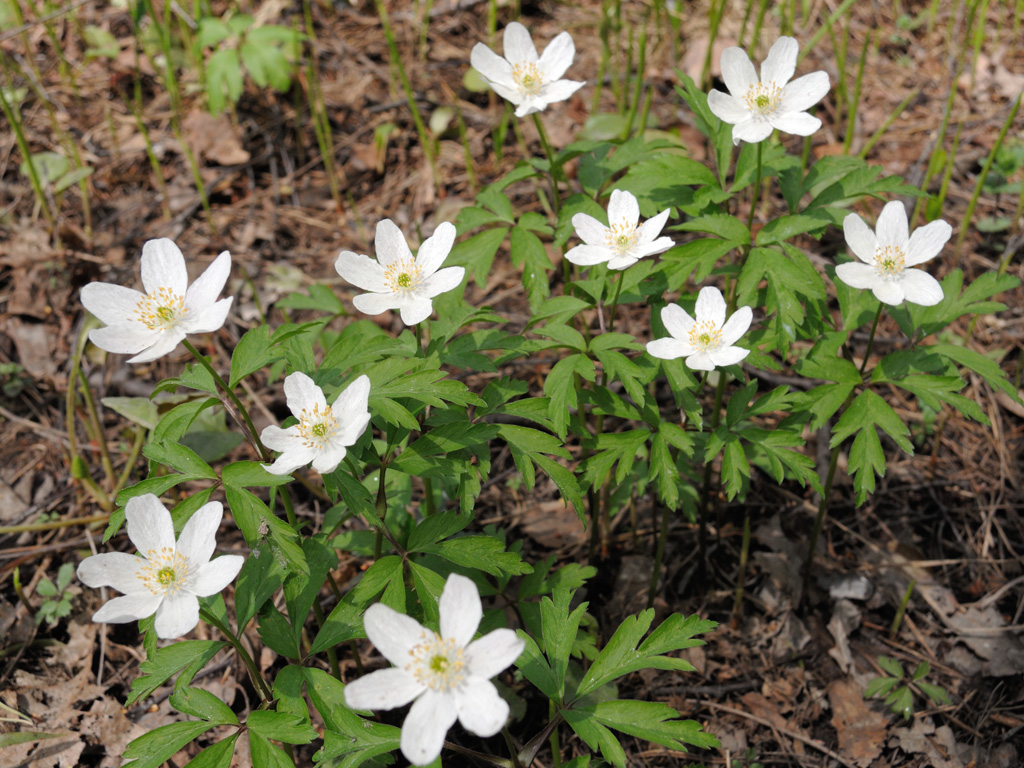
(436, 663)
(621, 237)
(889, 261)
(763, 98)
(402, 276)
(705, 336)
(164, 571)
(319, 430)
(317, 426)
(528, 77)
(160, 310)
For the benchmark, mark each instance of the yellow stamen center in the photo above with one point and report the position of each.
(402, 276)
(316, 426)
(165, 571)
(621, 237)
(436, 663)
(705, 336)
(889, 261)
(528, 77)
(161, 310)
(763, 98)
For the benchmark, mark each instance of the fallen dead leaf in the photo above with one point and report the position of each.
(937, 744)
(214, 138)
(861, 729)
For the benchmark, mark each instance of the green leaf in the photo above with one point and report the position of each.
(729, 228)
(985, 367)
(216, 755)
(867, 458)
(348, 735)
(435, 528)
(176, 422)
(279, 726)
(223, 79)
(786, 227)
(880, 686)
(202, 704)
(155, 671)
(560, 387)
(477, 253)
(972, 301)
(179, 457)
(261, 575)
(890, 665)
(276, 633)
(211, 32)
(252, 353)
(527, 251)
(153, 749)
(559, 626)
(250, 474)
(267, 65)
(23, 737)
(536, 669)
(102, 44)
(485, 553)
(138, 410)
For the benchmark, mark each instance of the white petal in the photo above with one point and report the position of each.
(424, 729)
(493, 653)
(302, 394)
(350, 409)
(660, 245)
(804, 92)
(204, 291)
(751, 131)
(623, 261)
(442, 281)
(352, 428)
(163, 266)
(724, 356)
(860, 238)
(292, 459)
(921, 288)
(796, 123)
(737, 325)
(589, 230)
(518, 45)
(207, 319)
(165, 343)
(677, 320)
(390, 243)
(559, 90)
(392, 632)
(113, 304)
(481, 710)
(124, 339)
(527, 105)
(121, 610)
(384, 689)
(435, 249)
(510, 93)
(149, 524)
(557, 57)
(375, 303)
(588, 255)
(710, 306)
(113, 569)
(329, 457)
(277, 439)
(361, 271)
(177, 615)
(492, 67)
(892, 228)
(199, 536)
(623, 209)
(737, 71)
(858, 275)
(669, 348)
(701, 361)
(651, 228)
(215, 575)
(889, 292)
(460, 610)
(926, 242)
(727, 108)
(415, 310)
(780, 64)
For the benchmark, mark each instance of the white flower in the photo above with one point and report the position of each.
(887, 253)
(323, 433)
(170, 575)
(447, 675)
(706, 342)
(529, 82)
(757, 106)
(150, 324)
(397, 280)
(622, 243)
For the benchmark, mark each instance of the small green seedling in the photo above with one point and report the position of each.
(56, 601)
(901, 699)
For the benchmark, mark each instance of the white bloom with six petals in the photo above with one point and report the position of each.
(528, 81)
(170, 575)
(624, 241)
(446, 676)
(151, 324)
(707, 341)
(887, 254)
(754, 107)
(323, 433)
(397, 280)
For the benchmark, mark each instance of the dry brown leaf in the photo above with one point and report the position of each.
(861, 729)
(214, 138)
(938, 745)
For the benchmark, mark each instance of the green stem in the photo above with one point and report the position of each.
(705, 494)
(246, 423)
(659, 552)
(757, 188)
(266, 695)
(554, 169)
(615, 301)
(332, 654)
